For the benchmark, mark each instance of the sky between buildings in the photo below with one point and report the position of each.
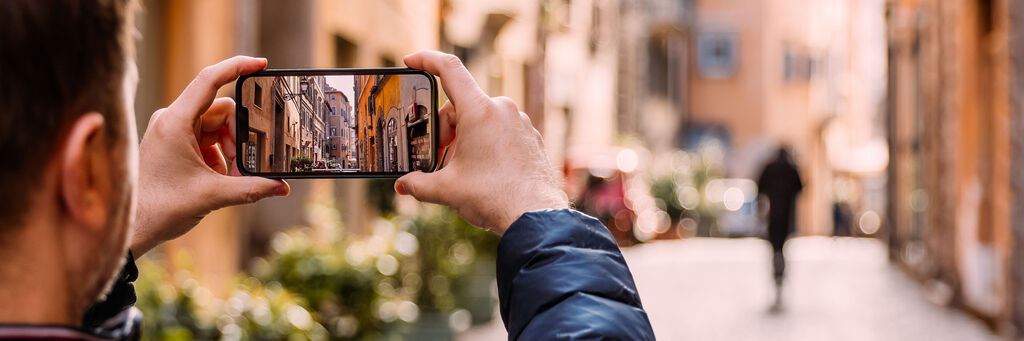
(343, 83)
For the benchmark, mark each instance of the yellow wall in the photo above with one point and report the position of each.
(199, 33)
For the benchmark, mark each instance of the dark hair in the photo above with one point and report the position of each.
(58, 60)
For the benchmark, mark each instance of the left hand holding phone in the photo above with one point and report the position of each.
(187, 159)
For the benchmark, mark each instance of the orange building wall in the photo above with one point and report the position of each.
(756, 104)
(261, 120)
(737, 102)
(365, 128)
(956, 82)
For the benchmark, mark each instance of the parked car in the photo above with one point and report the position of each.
(599, 186)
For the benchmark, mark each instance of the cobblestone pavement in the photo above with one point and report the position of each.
(836, 289)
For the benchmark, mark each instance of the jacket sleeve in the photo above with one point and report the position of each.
(562, 277)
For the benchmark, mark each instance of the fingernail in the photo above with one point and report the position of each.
(399, 188)
(283, 189)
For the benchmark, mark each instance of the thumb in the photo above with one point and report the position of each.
(426, 187)
(237, 190)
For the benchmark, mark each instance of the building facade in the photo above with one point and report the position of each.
(261, 104)
(340, 130)
(367, 143)
(950, 109)
(414, 124)
(393, 128)
(288, 117)
(386, 108)
(311, 109)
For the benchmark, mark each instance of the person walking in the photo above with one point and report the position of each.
(780, 183)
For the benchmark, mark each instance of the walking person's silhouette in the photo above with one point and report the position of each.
(780, 183)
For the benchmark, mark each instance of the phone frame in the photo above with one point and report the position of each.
(242, 120)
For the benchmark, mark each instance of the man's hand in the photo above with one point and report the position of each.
(187, 159)
(497, 169)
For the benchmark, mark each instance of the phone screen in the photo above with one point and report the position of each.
(336, 123)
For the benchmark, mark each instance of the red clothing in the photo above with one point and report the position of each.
(44, 332)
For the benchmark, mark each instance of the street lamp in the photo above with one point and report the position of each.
(303, 87)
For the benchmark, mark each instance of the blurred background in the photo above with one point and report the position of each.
(904, 119)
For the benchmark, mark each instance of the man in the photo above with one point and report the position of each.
(68, 183)
(71, 212)
(780, 183)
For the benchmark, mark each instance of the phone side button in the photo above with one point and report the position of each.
(242, 134)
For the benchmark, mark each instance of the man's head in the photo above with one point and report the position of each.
(68, 146)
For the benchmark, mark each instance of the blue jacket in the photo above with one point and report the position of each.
(562, 277)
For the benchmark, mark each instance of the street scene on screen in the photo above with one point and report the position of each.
(337, 123)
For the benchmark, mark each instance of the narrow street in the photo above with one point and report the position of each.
(837, 289)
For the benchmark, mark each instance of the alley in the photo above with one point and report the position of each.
(837, 289)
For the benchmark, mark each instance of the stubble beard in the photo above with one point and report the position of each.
(116, 245)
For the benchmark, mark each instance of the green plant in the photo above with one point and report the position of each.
(176, 307)
(665, 189)
(679, 188)
(404, 279)
(449, 248)
(301, 163)
(169, 305)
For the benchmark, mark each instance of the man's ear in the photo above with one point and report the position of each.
(84, 183)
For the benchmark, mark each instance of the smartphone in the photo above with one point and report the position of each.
(336, 123)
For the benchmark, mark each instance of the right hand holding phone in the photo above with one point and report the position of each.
(496, 168)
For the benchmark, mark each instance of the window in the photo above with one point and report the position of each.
(334, 96)
(257, 94)
(658, 67)
(796, 66)
(252, 153)
(345, 52)
(717, 54)
(334, 131)
(392, 131)
(334, 109)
